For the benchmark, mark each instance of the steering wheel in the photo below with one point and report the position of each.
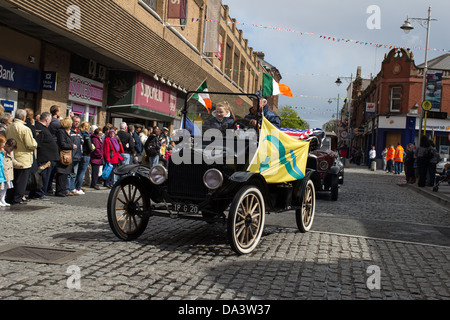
(239, 121)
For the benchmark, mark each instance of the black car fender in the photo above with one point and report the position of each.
(331, 177)
(239, 179)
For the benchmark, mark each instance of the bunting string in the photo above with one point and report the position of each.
(324, 37)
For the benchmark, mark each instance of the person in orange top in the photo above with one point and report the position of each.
(398, 158)
(390, 158)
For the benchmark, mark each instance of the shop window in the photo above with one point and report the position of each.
(396, 99)
(26, 100)
(151, 3)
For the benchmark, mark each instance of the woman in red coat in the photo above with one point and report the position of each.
(112, 148)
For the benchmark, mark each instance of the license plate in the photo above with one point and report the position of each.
(187, 208)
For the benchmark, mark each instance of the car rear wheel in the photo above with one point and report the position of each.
(305, 215)
(127, 207)
(246, 220)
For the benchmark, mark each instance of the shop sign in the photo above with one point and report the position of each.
(85, 91)
(7, 105)
(48, 80)
(155, 96)
(14, 75)
(370, 107)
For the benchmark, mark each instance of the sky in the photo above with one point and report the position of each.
(310, 64)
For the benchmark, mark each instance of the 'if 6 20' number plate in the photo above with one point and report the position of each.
(187, 208)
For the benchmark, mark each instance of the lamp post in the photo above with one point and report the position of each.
(349, 104)
(337, 115)
(407, 27)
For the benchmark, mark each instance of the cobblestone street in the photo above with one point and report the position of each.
(378, 241)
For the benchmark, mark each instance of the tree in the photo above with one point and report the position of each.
(290, 119)
(331, 125)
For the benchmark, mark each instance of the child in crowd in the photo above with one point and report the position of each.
(7, 164)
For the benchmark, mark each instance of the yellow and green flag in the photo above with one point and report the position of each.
(280, 157)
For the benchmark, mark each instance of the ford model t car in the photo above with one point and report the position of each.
(230, 164)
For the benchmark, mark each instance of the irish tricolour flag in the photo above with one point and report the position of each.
(273, 88)
(203, 98)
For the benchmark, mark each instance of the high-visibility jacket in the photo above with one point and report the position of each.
(390, 154)
(399, 153)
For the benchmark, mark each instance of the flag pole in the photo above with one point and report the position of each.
(197, 88)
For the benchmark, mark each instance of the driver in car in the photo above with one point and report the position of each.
(263, 109)
(222, 117)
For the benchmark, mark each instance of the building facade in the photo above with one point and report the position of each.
(387, 111)
(100, 59)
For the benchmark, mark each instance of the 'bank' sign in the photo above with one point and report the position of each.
(16, 76)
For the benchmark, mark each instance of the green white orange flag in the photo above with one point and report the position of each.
(273, 88)
(203, 98)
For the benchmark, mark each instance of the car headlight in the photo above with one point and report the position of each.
(158, 175)
(213, 179)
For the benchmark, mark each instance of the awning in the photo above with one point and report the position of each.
(139, 112)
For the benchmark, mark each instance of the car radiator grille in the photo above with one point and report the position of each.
(186, 180)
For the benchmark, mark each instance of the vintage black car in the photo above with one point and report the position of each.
(210, 184)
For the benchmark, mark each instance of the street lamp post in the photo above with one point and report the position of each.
(406, 27)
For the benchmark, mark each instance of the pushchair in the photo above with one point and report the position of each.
(444, 177)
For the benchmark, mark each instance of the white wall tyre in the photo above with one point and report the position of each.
(246, 220)
(305, 215)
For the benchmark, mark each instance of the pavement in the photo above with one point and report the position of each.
(441, 196)
(379, 241)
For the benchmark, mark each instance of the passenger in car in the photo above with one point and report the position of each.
(222, 117)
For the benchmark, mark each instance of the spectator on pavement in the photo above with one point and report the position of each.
(409, 163)
(5, 120)
(64, 142)
(47, 152)
(96, 157)
(8, 168)
(26, 145)
(76, 155)
(112, 151)
(152, 147)
(137, 143)
(86, 149)
(127, 144)
(423, 159)
(398, 158)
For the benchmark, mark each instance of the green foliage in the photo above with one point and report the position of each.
(290, 119)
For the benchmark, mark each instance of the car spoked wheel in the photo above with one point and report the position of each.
(246, 220)
(305, 215)
(127, 205)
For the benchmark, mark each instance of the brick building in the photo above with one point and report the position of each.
(387, 111)
(89, 53)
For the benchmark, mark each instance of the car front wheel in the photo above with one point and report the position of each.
(246, 220)
(305, 214)
(127, 207)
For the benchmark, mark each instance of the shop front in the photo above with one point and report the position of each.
(19, 86)
(85, 98)
(137, 98)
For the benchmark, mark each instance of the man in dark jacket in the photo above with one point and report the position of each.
(47, 153)
(76, 155)
(263, 109)
(127, 144)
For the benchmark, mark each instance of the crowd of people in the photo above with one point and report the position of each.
(419, 163)
(49, 155)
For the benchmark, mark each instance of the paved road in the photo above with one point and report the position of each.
(378, 241)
